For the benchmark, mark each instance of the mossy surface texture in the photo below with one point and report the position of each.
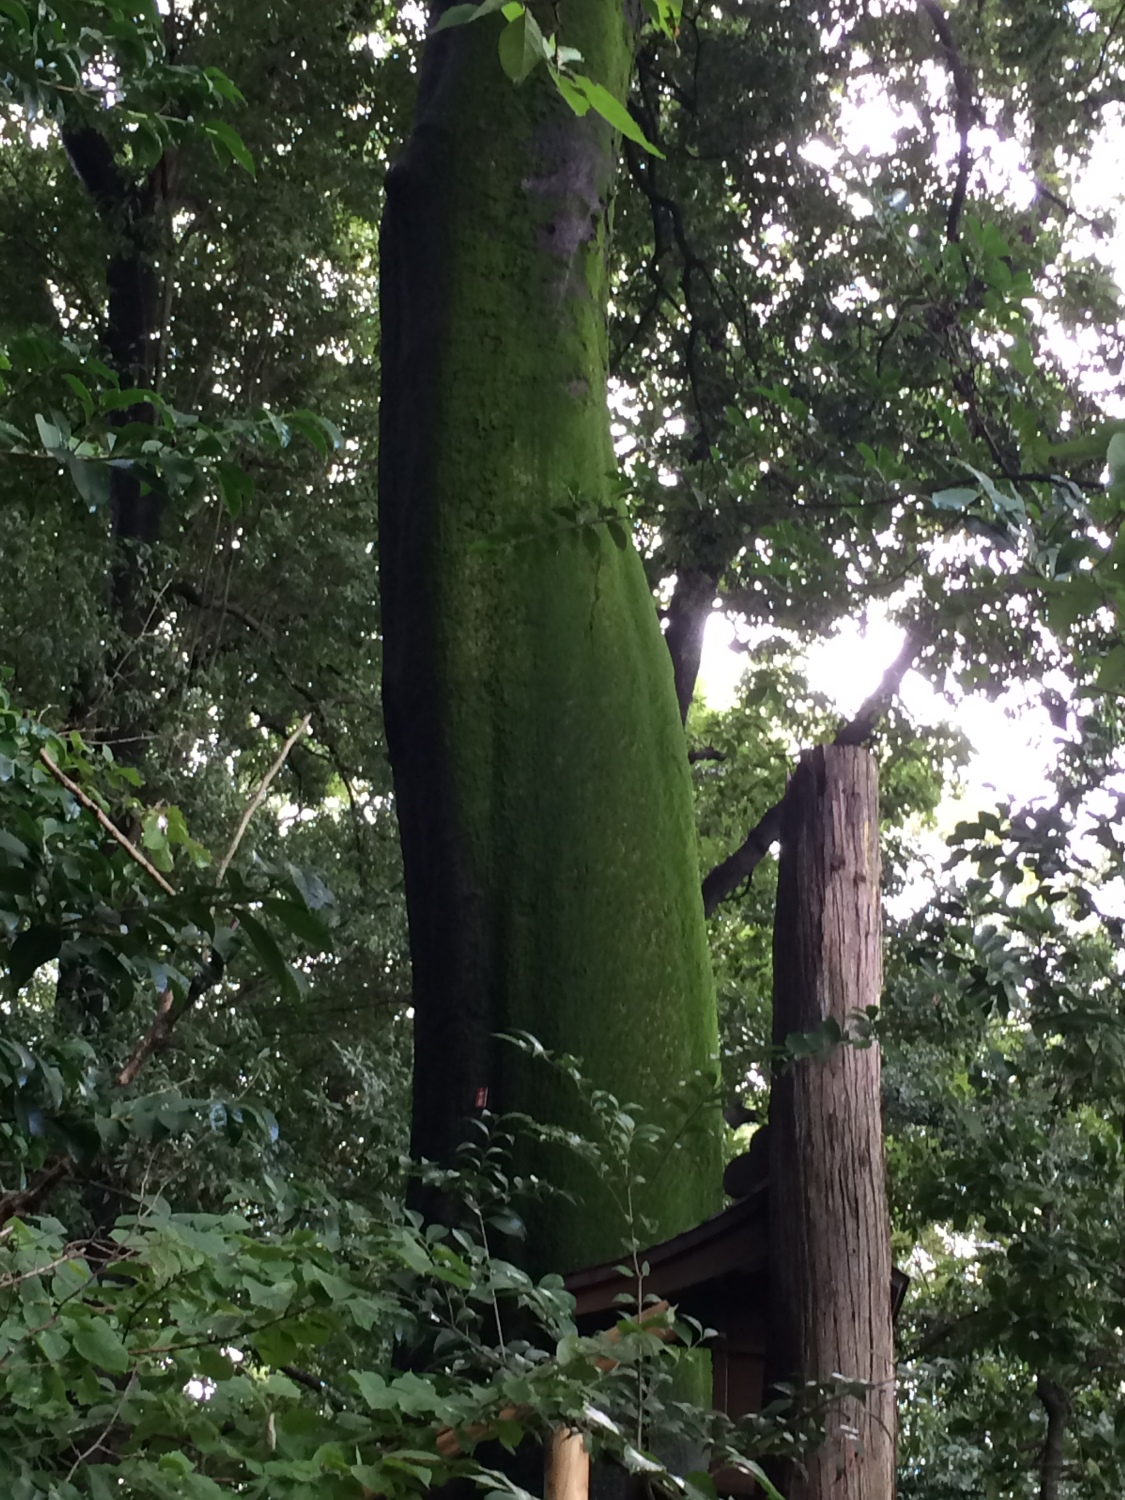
(542, 783)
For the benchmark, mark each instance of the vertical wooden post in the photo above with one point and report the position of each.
(566, 1471)
(829, 1230)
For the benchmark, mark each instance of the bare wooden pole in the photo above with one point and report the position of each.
(829, 1229)
(566, 1473)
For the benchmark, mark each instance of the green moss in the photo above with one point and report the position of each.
(558, 704)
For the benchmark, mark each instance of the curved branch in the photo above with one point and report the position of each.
(1056, 1403)
(738, 867)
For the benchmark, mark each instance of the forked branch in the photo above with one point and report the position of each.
(737, 868)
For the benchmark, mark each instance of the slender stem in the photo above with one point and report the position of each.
(259, 796)
(107, 823)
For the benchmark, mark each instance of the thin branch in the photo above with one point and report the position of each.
(107, 823)
(168, 1014)
(738, 867)
(152, 1039)
(259, 796)
(310, 1382)
(99, 1441)
(963, 87)
(73, 1252)
(186, 591)
(28, 1199)
(938, 1334)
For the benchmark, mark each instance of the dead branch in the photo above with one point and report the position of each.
(259, 796)
(107, 823)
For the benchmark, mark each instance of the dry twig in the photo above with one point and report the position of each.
(259, 796)
(107, 823)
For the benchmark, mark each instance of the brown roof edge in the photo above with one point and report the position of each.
(731, 1241)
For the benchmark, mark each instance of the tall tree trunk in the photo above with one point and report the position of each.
(540, 773)
(128, 209)
(830, 1244)
(689, 609)
(1052, 1464)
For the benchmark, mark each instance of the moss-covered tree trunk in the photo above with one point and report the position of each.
(543, 793)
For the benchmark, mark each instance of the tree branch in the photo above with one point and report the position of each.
(858, 730)
(1056, 1402)
(963, 87)
(107, 823)
(169, 1012)
(738, 867)
(28, 1199)
(259, 796)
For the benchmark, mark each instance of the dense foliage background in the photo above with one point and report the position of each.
(866, 339)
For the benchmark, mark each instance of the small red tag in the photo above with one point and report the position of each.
(482, 1098)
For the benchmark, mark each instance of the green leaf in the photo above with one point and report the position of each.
(223, 86)
(265, 946)
(300, 921)
(322, 434)
(49, 434)
(123, 400)
(16, 11)
(750, 1467)
(225, 139)
(461, 15)
(100, 1343)
(91, 480)
(1111, 674)
(374, 1389)
(311, 888)
(571, 93)
(614, 112)
(235, 486)
(522, 46)
(82, 392)
(960, 497)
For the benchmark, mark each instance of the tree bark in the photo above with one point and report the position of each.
(128, 210)
(541, 779)
(829, 1231)
(686, 618)
(1056, 1403)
